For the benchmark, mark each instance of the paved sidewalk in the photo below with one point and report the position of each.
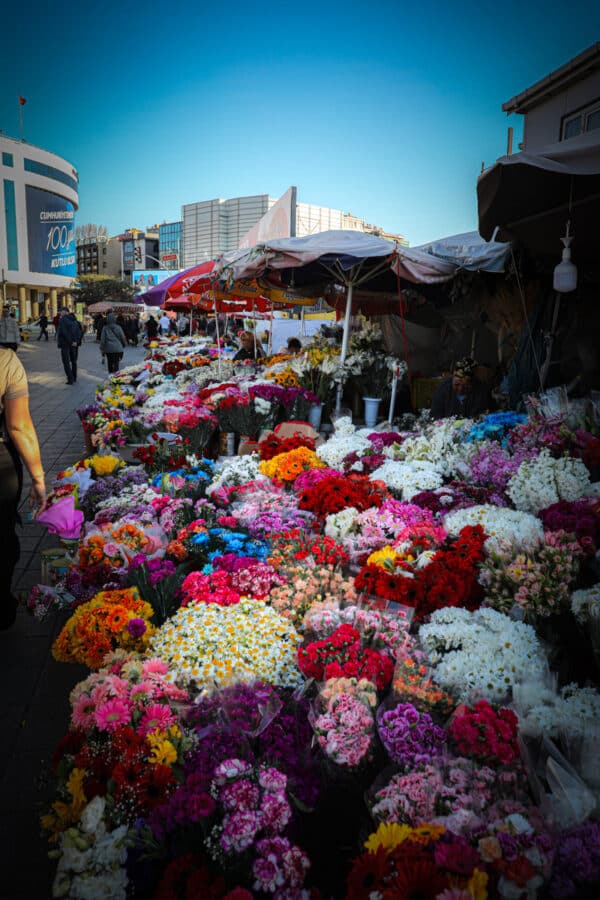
(34, 708)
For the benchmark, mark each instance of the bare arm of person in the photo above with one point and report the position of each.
(21, 431)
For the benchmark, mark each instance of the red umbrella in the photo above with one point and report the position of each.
(191, 281)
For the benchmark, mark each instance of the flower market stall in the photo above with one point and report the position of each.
(358, 667)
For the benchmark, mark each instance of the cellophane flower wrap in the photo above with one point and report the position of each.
(536, 579)
(344, 720)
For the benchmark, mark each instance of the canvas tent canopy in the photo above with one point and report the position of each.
(530, 196)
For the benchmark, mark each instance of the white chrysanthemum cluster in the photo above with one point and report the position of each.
(541, 481)
(339, 525)
(236, 470)
(480, 654)
(586, 603)
(409, 478)
(343, 442)
(573, 712)
(503, 526)
(205, 643)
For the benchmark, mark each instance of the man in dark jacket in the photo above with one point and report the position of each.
(43, 323)
(462, 394)
(68, 337)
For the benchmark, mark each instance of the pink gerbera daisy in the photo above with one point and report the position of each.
(155, 665)
(83, 712)
(156, 716)
(112, 714)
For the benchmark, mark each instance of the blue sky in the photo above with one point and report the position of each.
(386, 110)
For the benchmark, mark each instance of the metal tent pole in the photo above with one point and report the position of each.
(345, 338)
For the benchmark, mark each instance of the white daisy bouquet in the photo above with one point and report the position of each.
(480, 654)
(207, 644)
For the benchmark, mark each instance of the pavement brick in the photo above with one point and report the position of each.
(35, 709)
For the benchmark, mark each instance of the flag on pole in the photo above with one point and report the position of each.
(22, 101)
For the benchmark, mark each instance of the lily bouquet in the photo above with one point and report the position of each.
(317, 371)
(368, 368)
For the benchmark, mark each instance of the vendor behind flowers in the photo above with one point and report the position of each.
(247, 348)
(461, 394)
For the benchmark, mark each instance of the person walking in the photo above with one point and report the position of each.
(18, 445)
(68, 337)
(151, 328)
(43, 323)
(10, 335)
(112, 342)
(99, 323)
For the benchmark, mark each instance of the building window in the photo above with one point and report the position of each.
(38, 168)
(7, 159)
(10, 217)
(587, 119)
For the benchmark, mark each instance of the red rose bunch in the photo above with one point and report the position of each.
(337, 492)
(173, 367)
(450, 579)
(341, 656)
(298, 544)
(486, 734)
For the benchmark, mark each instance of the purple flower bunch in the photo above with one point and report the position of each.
(189, 804)
(156, 569)
(111, 486)
(577, 517)
(492, 466)
(252, 802)
(410, 737)
(576, 862)
(274, 522)
(280, 867)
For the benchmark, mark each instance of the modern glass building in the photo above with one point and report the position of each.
(40, 197)
(169, 244)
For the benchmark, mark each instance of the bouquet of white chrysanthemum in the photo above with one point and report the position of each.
(542, 481)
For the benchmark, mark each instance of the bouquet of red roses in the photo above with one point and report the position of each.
(341, 656)
(337, 492)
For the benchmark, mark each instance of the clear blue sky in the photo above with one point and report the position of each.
(383, 109)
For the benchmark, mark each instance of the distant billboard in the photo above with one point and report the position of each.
(50, 233)
(278, 222)
(143, 280)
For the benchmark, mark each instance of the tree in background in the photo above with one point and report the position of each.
(97, 288)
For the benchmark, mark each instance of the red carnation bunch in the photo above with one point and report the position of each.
(337, 492)
(486, 734)
(341, 656)
(298, 545)
(450, 579)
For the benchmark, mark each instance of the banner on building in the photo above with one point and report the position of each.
(278, 222)
(50, 233)
(149, 278)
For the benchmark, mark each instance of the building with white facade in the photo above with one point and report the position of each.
(40, 197)
(212, 227)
